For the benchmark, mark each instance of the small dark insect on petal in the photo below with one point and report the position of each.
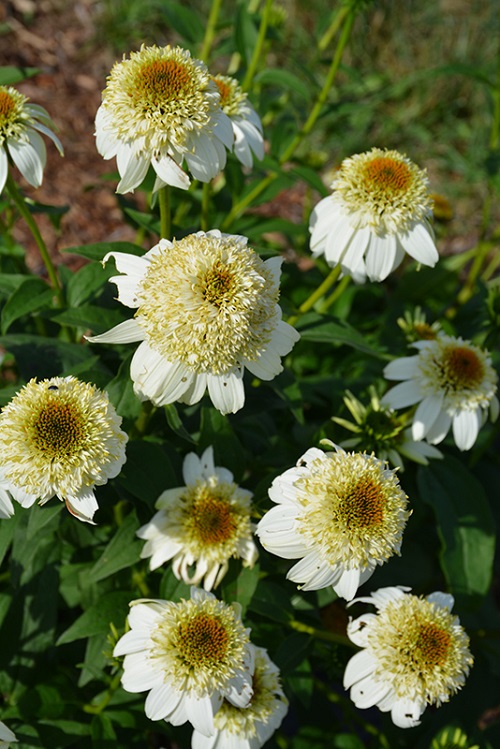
(53, 387)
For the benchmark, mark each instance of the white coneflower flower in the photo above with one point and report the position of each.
(161, 107)
(341, 513)
(415, 654)
(202, 524)
(190, 656)
(454, 384)
(60, 437)
(20, 126)
(246, 123)
(378, 211)
(249, 727)
(6, 736)
(207, 308)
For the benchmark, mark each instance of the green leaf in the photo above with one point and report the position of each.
(86, 281)
(291, 652)
(285, 80)
(272, 602)
(322, 329)
(121, 391)
(148, 471)
(245, 32)
(31, 295)
(9, 282)
(465, 525)
(239, 584)
(184, 20)
(175, 423)
(90, 317)
(312, 178)
(10, 74)
(102, 732)
(98, 250)
(123, 550)
(44, 357)
(43, 518)
(112, 608)
(172, 589)
(216, 430)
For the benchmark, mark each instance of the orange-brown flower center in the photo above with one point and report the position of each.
(58, 430)
(224, 91)
(213, 519)
(162, 80)
(217, 284)
(387, 174)
(462, 367)
(7, 106)
(363, 505)
(202, 641)
(432, 644)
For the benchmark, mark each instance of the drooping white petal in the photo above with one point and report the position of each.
(419, 244)
(29, 156)
(348, 584)
(83, 505)
(380, 256)
(156, 379)
(4, 168)
(170, 172)
(406, 713)
(426, 414)
(368, 692)
(227, 391)
(466, 425)
(360, 666)
(200, 713)
(161, 701)
(138, 676)
(133, 167)
(439, 429)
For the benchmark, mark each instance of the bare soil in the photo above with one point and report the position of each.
(58, 38)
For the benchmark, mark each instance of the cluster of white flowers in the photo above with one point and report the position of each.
(161, 108)
(206, 308)
(196, 661)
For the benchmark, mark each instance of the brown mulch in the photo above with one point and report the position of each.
(58, 38)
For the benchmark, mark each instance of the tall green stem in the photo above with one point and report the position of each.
(165, 217)
(329, 301)
(210, 30)
(316, 295)
(205, 204)
(240, 206)
(259, 45)
(31, 223)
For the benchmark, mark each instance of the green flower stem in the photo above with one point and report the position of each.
(142, 422)
(259, 45)
(106, 699)
(320, 634)
(206, 192)
(240, 206)
(316, 295)
(165, 217)
(31, 223)
(333, 28)
(329, 301)
(210, 30)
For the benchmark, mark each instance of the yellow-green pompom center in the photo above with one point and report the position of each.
(58, 430)
(202, 641)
